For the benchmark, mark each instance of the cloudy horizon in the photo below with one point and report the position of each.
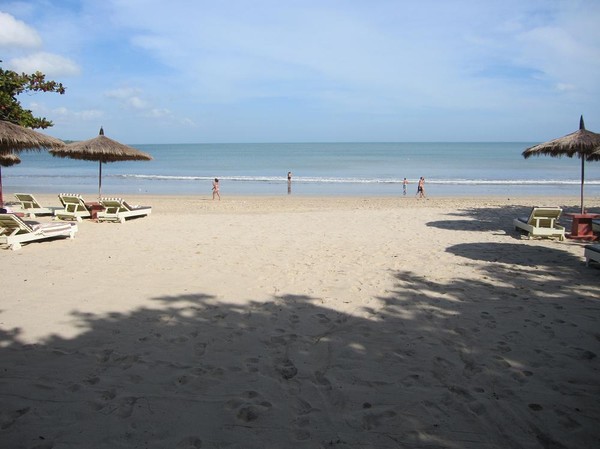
(309, 71)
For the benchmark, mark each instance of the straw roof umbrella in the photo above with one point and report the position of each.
(15, 138)
(103, 150)
(582, 143)
(6, 160)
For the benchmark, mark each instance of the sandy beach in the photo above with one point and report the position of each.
(304, 322)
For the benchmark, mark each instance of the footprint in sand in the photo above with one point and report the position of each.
(180, 339)
(321, 380)
(189, 443)
(92, 380)
(284, 339)
(286, 368)
(125, 406)
(372, 421)
(322, 318)
(200, 349)
(250, 406)
(8, 418)
(252, 364)
(503, 347)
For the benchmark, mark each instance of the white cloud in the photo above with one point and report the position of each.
(159, 113)
(565, 87)
(122, 93)
(137, 103)
(15, 33)
(315, 61)
(64, 112)
(129, 97)
(50, 64)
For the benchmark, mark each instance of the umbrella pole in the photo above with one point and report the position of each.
(99, 180)
(582, 181)
(1, 199)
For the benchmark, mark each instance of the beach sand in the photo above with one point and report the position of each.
(302, 322)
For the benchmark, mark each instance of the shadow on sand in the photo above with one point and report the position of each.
(495, 363)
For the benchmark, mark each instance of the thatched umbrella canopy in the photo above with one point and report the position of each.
(6, 160)
(582, 143)
(17, 138)
(9, 159)
(103, 150)
(14, 138)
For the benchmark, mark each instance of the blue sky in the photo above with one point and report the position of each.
(187, 71)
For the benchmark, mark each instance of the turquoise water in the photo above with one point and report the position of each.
(450, 169)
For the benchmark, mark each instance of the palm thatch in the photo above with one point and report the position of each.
(17, 138)
(9, 159)
(582, 143)
(101, 149)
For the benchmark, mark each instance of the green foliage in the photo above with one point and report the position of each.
(12, 85)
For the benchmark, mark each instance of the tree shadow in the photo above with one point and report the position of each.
(520, 254)
(493, 219)
(492, 363)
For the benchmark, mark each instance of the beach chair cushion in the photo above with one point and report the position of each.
(592, 253)
(541, 222)
(14, 231)
(117, 209)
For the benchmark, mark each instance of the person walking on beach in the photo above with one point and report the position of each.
(289, 176)
(421, 188)
(215, 189)
(404, 184)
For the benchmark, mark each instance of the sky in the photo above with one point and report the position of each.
(205, 71)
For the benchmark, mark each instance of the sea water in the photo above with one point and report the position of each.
(364, 169)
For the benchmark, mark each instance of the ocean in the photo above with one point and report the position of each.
(353, 169)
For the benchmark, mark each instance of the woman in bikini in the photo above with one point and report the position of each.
(215, 189)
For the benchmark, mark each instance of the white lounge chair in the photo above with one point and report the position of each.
(74, 207)
(14, 231)
(592, 253)
(31, 206)
(542, 222)
(116, 209)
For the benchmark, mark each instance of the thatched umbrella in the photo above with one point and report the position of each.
(15, 138)
(6, 160)
(103, 150)
(582, 143)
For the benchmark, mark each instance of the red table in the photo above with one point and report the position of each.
(94, 208)
(582, 226)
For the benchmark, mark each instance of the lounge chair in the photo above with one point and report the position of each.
(116, 209)
(542, 222)
(14, 231)
(31, 206)
(73, 207)
(596, 225)
(591, 252)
